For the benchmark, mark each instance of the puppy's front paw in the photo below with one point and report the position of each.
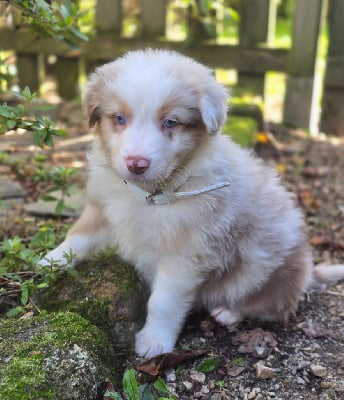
(62, 256)
(149, 344)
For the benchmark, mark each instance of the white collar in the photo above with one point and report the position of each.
(167, 194)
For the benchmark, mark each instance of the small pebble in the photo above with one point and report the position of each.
(216, 396)
(188, 385)
(170, 375)
(252, 394)
(205, 389)
(318, 370)
(264, 372)
(300, 381)
(197, 376)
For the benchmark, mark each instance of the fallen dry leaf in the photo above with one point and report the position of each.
(307, 201)
(322, 241)
(311, 172)
(258, 342)
(154, 366)
(314, 329)
(235, 370)
(327, 241)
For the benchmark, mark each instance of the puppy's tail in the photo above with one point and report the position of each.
(325, 275)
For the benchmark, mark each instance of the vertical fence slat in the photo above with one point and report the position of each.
(109, 16)
(332, 117)
(153, 17)
(302, 56)
(257, 22)
(67, 71)
(28, 67)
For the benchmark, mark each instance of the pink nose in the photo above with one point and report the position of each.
(137, 164)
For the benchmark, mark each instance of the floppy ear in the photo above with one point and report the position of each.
(94, 90)
(91, 100)
(213, 106)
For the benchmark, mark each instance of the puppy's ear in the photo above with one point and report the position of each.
(92, 95)
(213, 106)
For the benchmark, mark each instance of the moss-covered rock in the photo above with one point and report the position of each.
(52, 356)
(107, 292)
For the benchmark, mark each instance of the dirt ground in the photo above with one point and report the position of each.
(302, 360)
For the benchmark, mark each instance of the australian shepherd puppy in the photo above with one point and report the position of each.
(204, 221)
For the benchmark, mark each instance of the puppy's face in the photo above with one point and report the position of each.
(152, 109)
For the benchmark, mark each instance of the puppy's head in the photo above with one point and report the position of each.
(152, 109)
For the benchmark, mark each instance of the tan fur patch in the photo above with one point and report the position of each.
(91, 221)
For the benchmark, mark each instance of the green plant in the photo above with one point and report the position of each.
(220, 384)
(15, 117)
(132, 390)
(59, 185)
(20, 274)
(52, 19)
(207, 365)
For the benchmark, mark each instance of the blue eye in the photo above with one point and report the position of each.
(169, 123)
(120, 119)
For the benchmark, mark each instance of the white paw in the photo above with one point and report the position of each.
(224, 316)
(149, 344)
(60, 256)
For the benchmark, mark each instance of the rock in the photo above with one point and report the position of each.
(197, 376)
(10, 189)
(188, 385)
(318, 370)
(252, 395)
(107, 292)
(205, 389)
(216, 396)
(170, 375)
(300, 381)
(263, 372)
(60, 356)
(76, 201)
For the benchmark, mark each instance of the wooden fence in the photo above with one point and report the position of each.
(252, 57)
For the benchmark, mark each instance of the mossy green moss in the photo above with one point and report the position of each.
(52, 356)
(107, 292)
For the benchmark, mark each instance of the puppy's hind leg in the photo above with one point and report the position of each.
(88, 233)
(224, 316)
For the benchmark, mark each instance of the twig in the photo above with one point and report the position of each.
(333, 293)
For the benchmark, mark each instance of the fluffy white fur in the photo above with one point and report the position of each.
(240, 251)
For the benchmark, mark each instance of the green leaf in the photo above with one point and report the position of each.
(14, 311)
(113, 395)
(59, 207)
(238, 361)
(42, 285)
(79, 35)
(11, 123)
(207, 365)
(145, 392)
(130, 384)
(49, 141)
(47, 197)
(37, 138)
(161, 387)
(24, 298)
(73, 273)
